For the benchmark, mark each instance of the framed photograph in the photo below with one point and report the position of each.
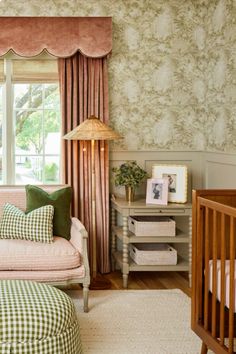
(157, 191)
(177, 181)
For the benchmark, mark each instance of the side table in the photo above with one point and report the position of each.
(182, 213)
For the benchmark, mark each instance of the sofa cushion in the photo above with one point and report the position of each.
(35, 226)
(60, 200)
(26, 255)
(56, 277)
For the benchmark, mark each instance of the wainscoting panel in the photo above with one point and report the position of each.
(219, 170)
(146, 159)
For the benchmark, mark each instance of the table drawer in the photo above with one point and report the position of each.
(162, 211)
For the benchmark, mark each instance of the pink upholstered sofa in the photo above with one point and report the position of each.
(60, 263)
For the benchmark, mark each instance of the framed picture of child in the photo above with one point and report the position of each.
(177, 181)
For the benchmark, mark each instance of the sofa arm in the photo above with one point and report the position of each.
(79, 235)
(79, 238)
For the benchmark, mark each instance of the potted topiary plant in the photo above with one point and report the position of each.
(130, 175)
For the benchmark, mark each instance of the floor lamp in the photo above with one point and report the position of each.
(93, 129)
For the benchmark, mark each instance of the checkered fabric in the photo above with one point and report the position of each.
(35, 226)
(37, 319)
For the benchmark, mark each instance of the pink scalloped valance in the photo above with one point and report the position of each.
(60, 36)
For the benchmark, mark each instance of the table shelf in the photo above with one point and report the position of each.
(180, 237)
(182, 265)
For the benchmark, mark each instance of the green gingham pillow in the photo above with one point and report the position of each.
(35, 226)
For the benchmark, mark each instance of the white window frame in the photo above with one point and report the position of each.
(8, 139)
(8, 129)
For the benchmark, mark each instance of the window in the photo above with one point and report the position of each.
(37, 133)
(31, 122)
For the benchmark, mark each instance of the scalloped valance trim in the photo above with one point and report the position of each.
(59, 36)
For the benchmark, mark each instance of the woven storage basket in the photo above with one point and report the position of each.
(152, 225)
(153, 254)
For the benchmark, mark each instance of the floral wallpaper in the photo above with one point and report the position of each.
(172, 72)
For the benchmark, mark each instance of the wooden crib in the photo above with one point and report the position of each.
(214, 269)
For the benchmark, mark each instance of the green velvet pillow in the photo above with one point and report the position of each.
(60, 200)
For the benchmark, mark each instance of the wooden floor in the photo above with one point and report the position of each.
(151, 280)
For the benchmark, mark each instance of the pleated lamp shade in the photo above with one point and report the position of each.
(92, 129)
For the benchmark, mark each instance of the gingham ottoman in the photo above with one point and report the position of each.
(36, 319)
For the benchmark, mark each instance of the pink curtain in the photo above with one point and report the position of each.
(84, 92)
(60, 36)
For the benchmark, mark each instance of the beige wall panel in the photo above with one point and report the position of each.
(219, 170)
(146, 159)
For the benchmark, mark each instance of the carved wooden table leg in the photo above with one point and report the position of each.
(125, 269)
(125, 281)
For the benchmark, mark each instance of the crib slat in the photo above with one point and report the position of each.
(214, 276)
(222, 280)
(199, 278)
(232, 290)
(206, 283)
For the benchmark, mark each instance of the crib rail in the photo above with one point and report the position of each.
(213, 293)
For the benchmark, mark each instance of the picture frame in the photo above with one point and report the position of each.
(157, 191)
(177, 181)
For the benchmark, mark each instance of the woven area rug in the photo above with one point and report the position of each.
(136, 321)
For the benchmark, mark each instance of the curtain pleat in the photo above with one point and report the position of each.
(84, 92)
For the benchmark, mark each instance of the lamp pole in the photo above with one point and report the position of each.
(94, 231)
